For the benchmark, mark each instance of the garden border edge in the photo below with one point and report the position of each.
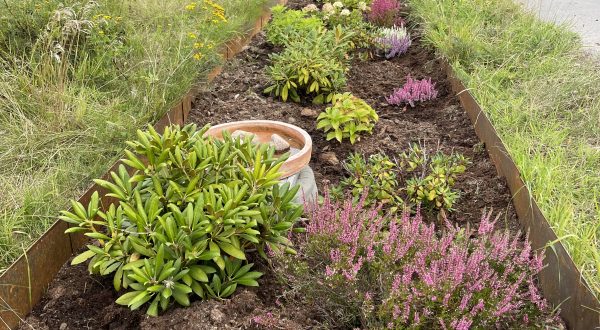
(560, 280)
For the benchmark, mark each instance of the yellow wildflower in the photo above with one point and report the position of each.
(198, 45)
(191, 6)
(198, 56)
(192, 35)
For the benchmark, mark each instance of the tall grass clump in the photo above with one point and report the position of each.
(542, 94)
(77, 78)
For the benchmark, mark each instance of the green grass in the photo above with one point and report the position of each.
(543, 95)
(77, 81)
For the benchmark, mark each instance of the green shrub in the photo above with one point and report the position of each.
(348, 117)
(314, 66)
(434, 176)
(186, 217)
(287, 25)
(378, 174)
(418, 177)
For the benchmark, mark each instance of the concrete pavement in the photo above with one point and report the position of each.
(582, 16)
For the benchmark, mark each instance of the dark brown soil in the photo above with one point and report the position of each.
(237, 95)
(76, 300)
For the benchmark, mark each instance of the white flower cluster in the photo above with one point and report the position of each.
(310, 8)
(337, 8)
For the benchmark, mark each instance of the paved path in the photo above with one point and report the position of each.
(582, 16)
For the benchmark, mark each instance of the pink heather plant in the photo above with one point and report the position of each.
(384, 12)
(423, 279)
(413, 91)
(393, 41)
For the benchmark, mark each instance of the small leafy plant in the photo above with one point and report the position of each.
(418, 177)
(314, 66)
(377, 175)
(185, 217)
(433, 177)
(413, 91)
(348, 117)
(393, 41)
(287, 25)
(384, 12)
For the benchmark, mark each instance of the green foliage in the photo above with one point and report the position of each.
(418, 177)
(348, 117)
(77, 79)
(378, 174)
(186, 217)
(314, 66)
(434, 177)
(288, 24)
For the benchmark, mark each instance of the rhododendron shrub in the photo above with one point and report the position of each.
(401, 272)
(413, 91)
(384, 12)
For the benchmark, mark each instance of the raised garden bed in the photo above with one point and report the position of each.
(76, 299)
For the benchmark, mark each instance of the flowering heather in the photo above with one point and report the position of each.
(413, 91)
(393, 41)
(424, 279)
(384, 12)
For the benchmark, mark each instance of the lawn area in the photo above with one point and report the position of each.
(78, 78)
(541, 92)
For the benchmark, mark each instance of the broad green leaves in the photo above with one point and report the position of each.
(348, 117)
(188, 209)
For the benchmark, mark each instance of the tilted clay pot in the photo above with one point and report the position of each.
(299, 140)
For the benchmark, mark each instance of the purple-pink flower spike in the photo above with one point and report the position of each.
(413, 91)
(394, 41)
(384, 12)
(444, 279)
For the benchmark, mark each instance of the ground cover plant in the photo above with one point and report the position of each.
(370, 271)
(413, 91)
(416, 178)
(541, 93)
(185, 220)
(78, 78)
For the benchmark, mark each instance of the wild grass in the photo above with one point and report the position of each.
(543, 95)
(77, 78)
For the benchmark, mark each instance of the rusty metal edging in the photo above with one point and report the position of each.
(560, 281)
(23, 284)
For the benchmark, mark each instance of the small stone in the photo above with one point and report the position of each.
(291, 120)
(330, 158)
(308, 112)
(216, 315)
(242, 135)
(281, 145)
(63, 326)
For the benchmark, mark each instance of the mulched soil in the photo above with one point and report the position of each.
(76, 300)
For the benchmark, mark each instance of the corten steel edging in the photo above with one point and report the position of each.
(560, 280)
(25, 281)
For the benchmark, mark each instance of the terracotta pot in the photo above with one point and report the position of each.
(299, 140)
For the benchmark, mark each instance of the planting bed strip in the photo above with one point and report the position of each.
(560, 281)
(25, 281)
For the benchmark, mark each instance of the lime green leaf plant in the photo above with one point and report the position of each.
(288, 24)
(187, 209)
(347, 118)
